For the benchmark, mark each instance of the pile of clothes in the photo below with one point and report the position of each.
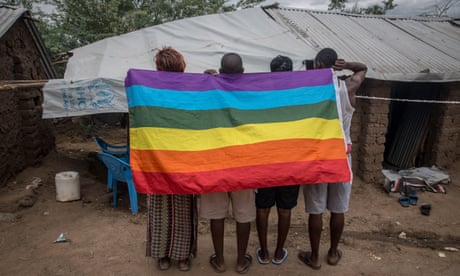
(417, 179)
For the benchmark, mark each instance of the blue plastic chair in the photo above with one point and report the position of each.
(119, 151)
(120, 171)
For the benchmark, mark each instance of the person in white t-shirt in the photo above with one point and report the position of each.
(332, 196)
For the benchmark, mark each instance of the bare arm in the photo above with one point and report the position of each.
(354, 81)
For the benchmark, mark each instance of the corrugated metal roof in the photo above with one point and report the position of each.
(8, 16)
(394, 48)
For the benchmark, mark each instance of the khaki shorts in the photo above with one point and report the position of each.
(216, 205)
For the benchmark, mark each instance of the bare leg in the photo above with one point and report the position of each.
(284, 222)
(315, 226)
(217, 233)
(242, 237)
(336, 224)
(262, 226)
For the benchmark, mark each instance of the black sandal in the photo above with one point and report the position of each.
(305, 258)
(212, 262)
(246, 268)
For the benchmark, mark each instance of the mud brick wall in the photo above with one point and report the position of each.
(36, 133)
(11, 155)
(446, 148)
(25, 138)
(455, 95)
(369, 129)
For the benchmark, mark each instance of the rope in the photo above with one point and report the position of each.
(407, 100)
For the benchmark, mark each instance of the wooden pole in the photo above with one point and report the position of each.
(17, 84)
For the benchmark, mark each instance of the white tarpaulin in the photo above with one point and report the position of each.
(84, 97)
(202, 40)
(394, 49)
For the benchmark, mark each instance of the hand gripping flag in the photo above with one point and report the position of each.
(198, 133)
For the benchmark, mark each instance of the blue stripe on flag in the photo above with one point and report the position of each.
(139, 95)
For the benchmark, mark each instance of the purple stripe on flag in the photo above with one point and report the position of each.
(246, 82)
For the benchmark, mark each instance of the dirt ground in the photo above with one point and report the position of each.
(380, 237)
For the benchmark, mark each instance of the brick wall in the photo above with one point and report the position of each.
(11, 155)
(369, 128)
(446, 148)
(370, 125)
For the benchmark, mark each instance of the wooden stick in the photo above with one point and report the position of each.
(17, 84)
(21, 81)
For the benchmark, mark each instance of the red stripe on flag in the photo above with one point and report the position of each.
(309, 172)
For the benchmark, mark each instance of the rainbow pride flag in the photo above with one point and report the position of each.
(198, 133)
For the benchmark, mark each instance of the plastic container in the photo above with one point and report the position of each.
(67, 186)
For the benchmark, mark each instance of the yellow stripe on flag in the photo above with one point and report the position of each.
(195, 140)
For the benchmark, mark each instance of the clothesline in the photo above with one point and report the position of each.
(12, 85)
(407, 100)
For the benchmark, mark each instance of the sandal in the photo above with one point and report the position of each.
(404, 201)
(337, 258)
(259, 257)
(246, 268)
(164, 263)
(413, 198)
(281, 261)
(305, 258)
(215, 267)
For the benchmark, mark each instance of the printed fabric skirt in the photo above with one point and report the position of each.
(171, 226)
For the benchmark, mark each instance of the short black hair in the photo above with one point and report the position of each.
(231, 63)
(281, 63)
(326, 57)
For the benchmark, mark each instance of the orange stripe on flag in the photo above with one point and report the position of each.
(271, 152)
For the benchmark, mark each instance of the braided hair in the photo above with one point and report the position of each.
(168, 59)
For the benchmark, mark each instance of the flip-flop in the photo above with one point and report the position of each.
(338, 256)
(285, 254)
(212, 262)
(404, 201)
(305, 258)
(413, 198)
(259, 258)
(246, 268)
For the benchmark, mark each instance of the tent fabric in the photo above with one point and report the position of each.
(398, 49)
(202, 40)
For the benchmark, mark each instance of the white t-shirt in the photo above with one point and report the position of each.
(346, 109)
